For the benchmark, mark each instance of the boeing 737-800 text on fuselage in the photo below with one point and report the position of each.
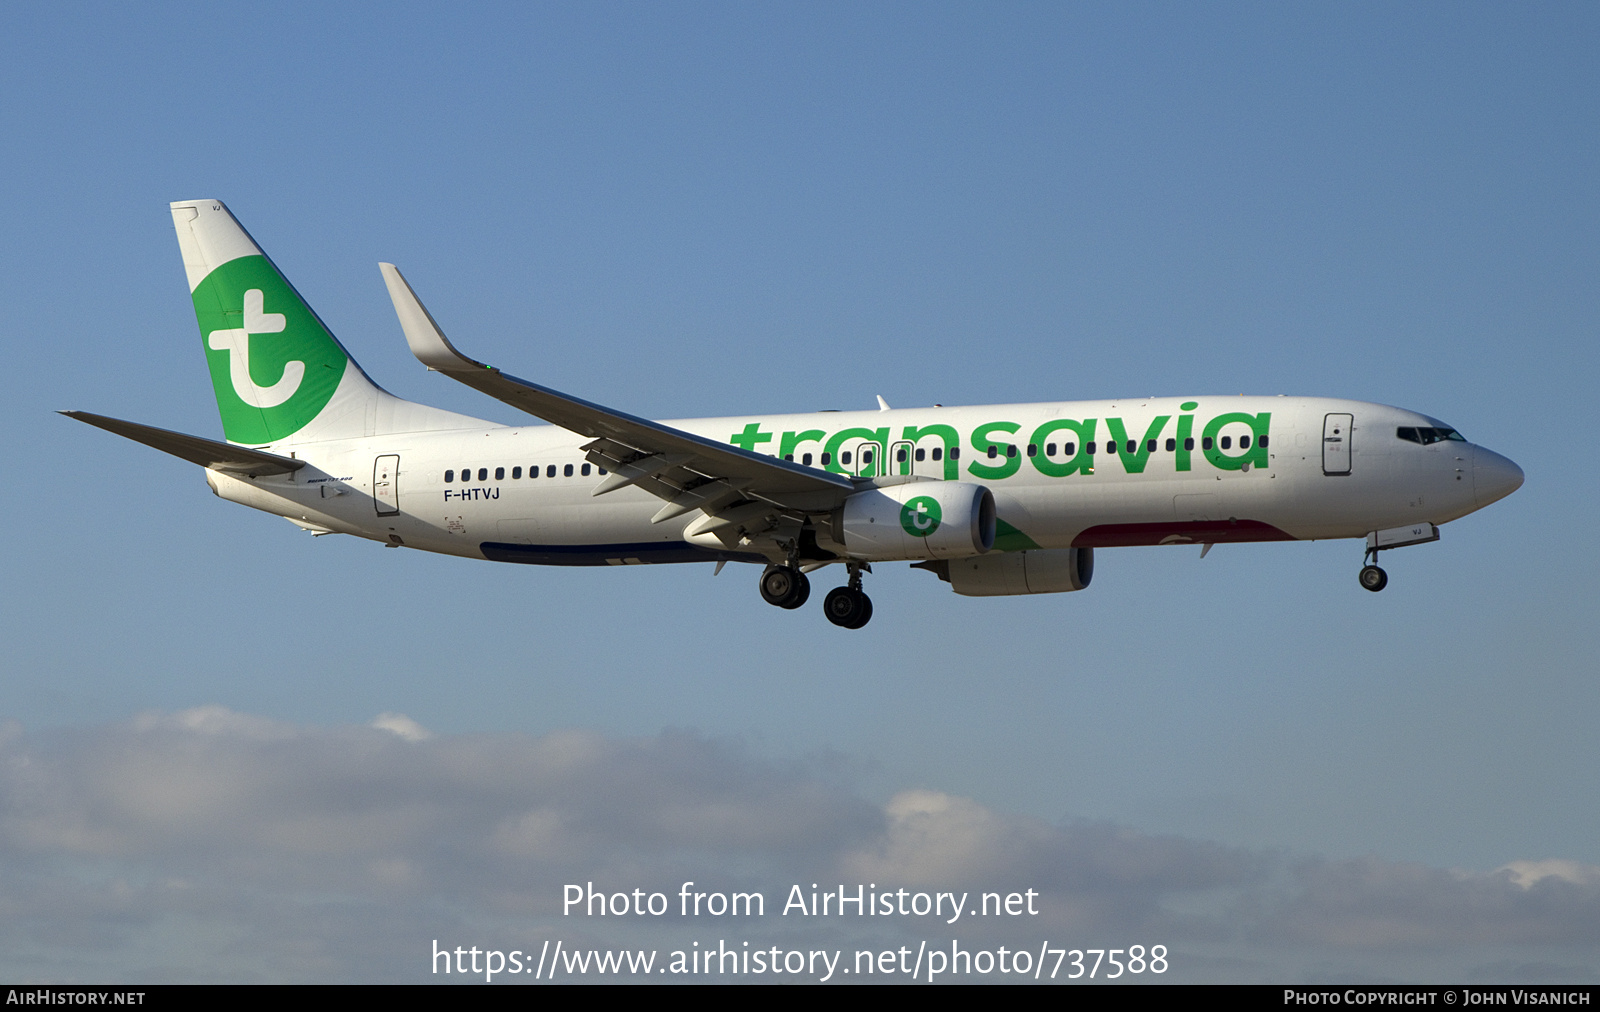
(1001, 499)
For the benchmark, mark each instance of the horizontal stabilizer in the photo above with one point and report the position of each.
(210, 453)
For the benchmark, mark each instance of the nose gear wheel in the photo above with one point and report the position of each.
(1373, 578)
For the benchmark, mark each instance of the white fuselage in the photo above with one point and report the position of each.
(1209, 478)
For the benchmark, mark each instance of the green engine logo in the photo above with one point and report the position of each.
(920, 517)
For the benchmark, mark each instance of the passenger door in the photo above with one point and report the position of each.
(1336, 431)
(385, 486)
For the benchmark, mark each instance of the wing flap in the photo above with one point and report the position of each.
(622, 473)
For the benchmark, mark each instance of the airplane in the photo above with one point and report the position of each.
(994, 500)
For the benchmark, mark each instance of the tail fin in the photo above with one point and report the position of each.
(277, 370)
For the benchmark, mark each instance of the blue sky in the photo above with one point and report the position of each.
(689, 210)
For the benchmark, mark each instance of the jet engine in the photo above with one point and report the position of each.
(917, 520)
(1036, 571)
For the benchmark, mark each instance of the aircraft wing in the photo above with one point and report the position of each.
(211, 453)
(688, 471)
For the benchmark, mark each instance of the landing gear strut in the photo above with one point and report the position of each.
(847, 606)
(1372, 578)
(785, 587)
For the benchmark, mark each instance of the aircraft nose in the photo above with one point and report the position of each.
(1493, 476)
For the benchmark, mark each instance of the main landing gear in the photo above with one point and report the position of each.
(847, 606)
(785, 587)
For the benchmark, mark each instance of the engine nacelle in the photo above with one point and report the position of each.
(917, 520)
(1036, 571)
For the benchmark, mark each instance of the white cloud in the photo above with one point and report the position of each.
(1528, 873)
(400, 724)
(209, 844)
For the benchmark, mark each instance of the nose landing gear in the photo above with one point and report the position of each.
(1373, 578)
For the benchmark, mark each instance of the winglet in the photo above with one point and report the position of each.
(427, 341)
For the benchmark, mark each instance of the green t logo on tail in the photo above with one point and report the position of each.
(273, 365)
(920, 517)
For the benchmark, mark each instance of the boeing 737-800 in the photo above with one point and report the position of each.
(1001, 499)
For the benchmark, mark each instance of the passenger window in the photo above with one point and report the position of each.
(1011, 450)
(994, 451)
(1205, 444)
(483, 474)
(1188, 444)
(601, 470)
(1033, 449)
(1131, 444)
(550, 472)
(499, 474)
(1172, 444)
(1227, 442)
(938, 451)
(866, 456)
(1049, 449)
(1263, 443)
(533, 472)
(827, 458)
(449, 476)
(516, 472)
(1111, 447)
(1151, 446)
(566, 472)
(900, 455)
(955, 453)
(844, 458)
(805, 458)
(923, 454)
(584, 470)
(1244, 442)
(788, 456)
(1408, 433)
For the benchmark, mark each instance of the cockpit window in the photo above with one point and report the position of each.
(1428, 434)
